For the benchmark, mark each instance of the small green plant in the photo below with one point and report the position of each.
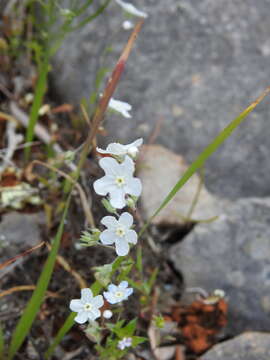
(53, 24)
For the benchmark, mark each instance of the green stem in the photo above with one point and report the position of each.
(39, 94)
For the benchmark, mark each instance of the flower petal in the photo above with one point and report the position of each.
(86, 295)
(123, 285)
(116, 149)
(130, 8)
(112, 287)
(122, 247)
(132, 237)
(126, 219)
(110, 297)
(98, 301)
(128, 166)
(120, 106)
(82, 317)
(134, 187)
(128, 292)
(94, 314)
(109, 221)
(76, 305)
(136, 143)
(117, 198)
(109, 165)
(107, 237)
(102, 186)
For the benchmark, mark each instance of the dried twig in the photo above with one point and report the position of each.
(65, 265)
(15, 258)
(25, 288)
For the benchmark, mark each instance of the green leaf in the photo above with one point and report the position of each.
(91, 17)
(130, 328)
(152, 279)
(39, 94)
(135, 285)
(136, 340)
(61, 333)
(38, 295)
(2, 343)
(205, 154)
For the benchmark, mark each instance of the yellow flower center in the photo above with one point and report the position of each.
(120, 231)
(88, 307)
(120, 181)
(119, 294)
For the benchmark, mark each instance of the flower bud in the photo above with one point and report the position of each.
(107, 314)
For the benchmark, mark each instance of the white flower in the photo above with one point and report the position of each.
(107, 314)
(118, 293)
(118, 181)
(121, 107)
(44, 109)
(87, 306)
(124, 343)
(130, 8)
(119, 232)
(127, 25)
(121, 150)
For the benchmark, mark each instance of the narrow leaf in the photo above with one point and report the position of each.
(205, 154)
(2, 343)
(61, 333)
(37, 298)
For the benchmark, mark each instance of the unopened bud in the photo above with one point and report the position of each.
(133, 151)
(107, 314)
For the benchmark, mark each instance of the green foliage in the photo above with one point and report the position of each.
(103, 274)
(52, 26)
(96, 288)
(2, 344)
(159, 321)
(38, 295)
(90, 238)
(119, 331)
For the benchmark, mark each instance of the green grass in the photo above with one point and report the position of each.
(33, 306)
(2, 344)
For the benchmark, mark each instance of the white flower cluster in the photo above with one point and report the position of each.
(118, 183)
(88, 305)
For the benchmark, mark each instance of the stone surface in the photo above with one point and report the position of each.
(18, 232)
(232, 253)
(248, 346)
(195, 65)
(160, 169)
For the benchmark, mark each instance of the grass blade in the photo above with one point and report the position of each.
(91, 17)
(36, 300)
(2, 343)
(61, 333)
(39, 94)
(205, 154)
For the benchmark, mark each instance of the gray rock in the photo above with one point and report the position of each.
(160, 169)
(18, 232)
(248, 346)
(232, 253)
(195, 65)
